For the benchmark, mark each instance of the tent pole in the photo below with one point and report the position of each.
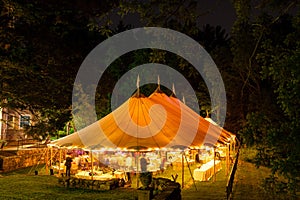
(59, 161)
(214, 164)
(182, 169)
(91, 152)
(137, 169)
(229, 148)
(51, 156)
(234, 146)
(227, 159)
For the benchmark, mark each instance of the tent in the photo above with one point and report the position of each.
(148, 123)
(143, 123)
(225, 136)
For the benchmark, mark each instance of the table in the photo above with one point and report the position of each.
(205, 158)
(98, 175)
(206, 171)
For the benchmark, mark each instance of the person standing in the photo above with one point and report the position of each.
(68, 165)
(128, 163)
(144, 163)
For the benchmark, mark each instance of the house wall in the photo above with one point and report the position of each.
(11, 122)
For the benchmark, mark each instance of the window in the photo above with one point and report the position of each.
(24, 121)
(10, 122)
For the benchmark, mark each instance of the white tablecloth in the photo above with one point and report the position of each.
(206, 171)
(97, 176)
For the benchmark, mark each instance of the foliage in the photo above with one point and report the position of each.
(42, 45)
(274, 126)
(256, 128)
(248, 154)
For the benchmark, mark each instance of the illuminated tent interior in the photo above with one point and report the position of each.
(148, 123)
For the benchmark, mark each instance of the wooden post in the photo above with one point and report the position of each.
(59, 161)
(47, 158)
(51, 155)
(65, 156)
(182, 168)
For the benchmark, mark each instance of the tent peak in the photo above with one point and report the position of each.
(183, 99)
(173, 89)
(158, 83)
(158, 90)
(138, 83)
(137, 94)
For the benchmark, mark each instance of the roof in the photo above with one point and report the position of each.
(143, 123)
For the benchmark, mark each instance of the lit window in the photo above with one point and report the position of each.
(24, 121)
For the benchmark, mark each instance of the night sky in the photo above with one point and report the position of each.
(215, 12)
(221, 12)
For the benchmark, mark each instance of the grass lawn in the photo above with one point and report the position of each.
(249, 179)
(248, 182)
(21, 184)
(207, 190)
(200, 190)
(45, 187)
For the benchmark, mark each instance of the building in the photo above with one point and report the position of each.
(13, 122)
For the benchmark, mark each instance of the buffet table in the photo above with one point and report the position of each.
(206, 171)
(205, 158)
(177, 165)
